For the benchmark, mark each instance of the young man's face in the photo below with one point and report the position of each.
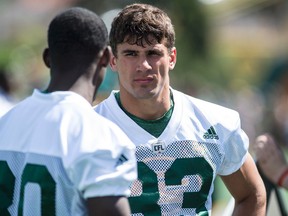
(143, 71)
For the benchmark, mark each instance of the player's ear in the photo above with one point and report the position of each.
(172, 58)
(113, 62)
(105, 58)
(46, 57)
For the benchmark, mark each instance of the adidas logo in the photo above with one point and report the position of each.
(210, 134)
(121, 160)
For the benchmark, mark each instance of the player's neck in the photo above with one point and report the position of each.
(146, 109)
(80, 86)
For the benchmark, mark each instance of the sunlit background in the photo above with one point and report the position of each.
(229, 51)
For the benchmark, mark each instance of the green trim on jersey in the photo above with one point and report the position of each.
(154, 127)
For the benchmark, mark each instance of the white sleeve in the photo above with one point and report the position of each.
(109, 169)
(235, 151)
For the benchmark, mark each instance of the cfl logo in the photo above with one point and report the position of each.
(158, 147)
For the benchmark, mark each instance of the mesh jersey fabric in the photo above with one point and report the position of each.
(176, 171)
(60, 152)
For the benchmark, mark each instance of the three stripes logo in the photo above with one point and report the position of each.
(122, 159)
(210, 134)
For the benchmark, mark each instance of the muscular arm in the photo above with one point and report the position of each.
(108, 206)
(248, 190)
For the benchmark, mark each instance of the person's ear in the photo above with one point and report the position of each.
(172, 58)
(103, 62)
(105, 58)
(100, 71)
(46, 57)
(113, 65)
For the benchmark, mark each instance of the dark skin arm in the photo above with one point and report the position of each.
(108, 206)
(248, 190)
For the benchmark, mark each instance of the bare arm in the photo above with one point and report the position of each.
(248, 190)
(108, 206)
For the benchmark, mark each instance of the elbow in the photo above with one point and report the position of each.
(254, 203)
(261, 199)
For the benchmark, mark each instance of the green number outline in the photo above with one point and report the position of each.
(180, 168)
(32, 173)
(7, 182)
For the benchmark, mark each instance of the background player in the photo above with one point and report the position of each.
(271, 160)
(58, 157)
(182, 143)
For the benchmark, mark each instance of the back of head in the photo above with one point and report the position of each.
(75, 37)
(136, 23)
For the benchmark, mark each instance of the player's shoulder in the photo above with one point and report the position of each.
(107, 105)
(206, 109)
(188, 99)
(110, 99)
(78, 111)
(98, 127)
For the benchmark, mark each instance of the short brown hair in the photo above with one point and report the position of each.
(136, 23)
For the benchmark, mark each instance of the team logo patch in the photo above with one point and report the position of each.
(158, 147)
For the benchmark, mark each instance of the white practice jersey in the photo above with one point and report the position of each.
(55, 152)
(176, 171)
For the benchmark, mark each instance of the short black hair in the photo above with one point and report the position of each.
(75, 36)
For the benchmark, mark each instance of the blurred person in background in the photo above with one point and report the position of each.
(275, 94)
(271, 145)
(182, 143)
(271, 160)
(6, 100)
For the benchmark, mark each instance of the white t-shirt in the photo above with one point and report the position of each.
(176, 171)
(55, 152)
